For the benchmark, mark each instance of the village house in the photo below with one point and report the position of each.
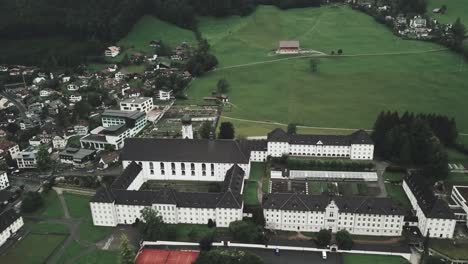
(418, 22)
(75, 98)
(142, 104)
(81, 128)
(73, 87)
(119, 76)
(27, 158)
(46, 92)
(112, 51)
(9, 148)
(54, 106)
(108, 159)
(59, 143)
(288, 47)
(164, 95)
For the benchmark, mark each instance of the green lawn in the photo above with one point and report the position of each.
(72, 250)
(457, 178)
(285, 91)
(397, 193)
(52, 207)
(78, 206)
(150, 28)
(456, 251)
(372, 259)
(201, 231)
(250, 193)
(184, 186)
(44, 228)
(455, 9)
(257, 170)
(32, 249)
(393, 176)
(455, 156)
(99, 256)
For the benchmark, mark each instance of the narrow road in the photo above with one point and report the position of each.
(63, 203)
(21, 107)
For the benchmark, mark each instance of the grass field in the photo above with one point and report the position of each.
(184, 186)
(454, 156)
(393, 176)
(52, 207)
(346, 92)
(456, 251)
(457, 178)
(372, 259)
(71, 251)
(49, 228)
(397, 193)
(99, 256)
(78, 206)
(455, 9)
(32, 249)
(250, 193)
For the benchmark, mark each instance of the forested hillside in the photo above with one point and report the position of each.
(30, 29)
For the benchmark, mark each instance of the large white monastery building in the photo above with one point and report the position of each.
(10, 223)
(435, 218)
(358, 215)
(356, 146)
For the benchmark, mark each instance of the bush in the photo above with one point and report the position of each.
(211, 223)
(332, 165)
(245, 231)
(206, 243)
(344, 240)
(323, 238)
(31, 202)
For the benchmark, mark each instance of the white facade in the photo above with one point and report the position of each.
(112, 51)
(185, 171)
(10, 230)
(59, 142)
(73, 87)
(434, 227)
(45, 93)
(14, 150)
(258, 156)
(187, 131)
(75, 98)
(354, 151)
(164, 95)
(4, 183)
(80, 130)
(27, 159)
(333, 219)
(111, 214)
(143, 104)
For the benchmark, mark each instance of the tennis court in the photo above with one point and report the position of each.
(159, 256)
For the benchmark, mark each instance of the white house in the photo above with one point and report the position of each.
(116, 126)
(112, 51)
(27, 158)
(36, 141)
(59, 143)
(435, 218)
(73, 87)
(10, 223)
(81, 129)
(142, 104)
(182, 159)
(9, 147)
(119, 76)
(357, 214)
(355, 146)
(418, 22)
(164, 95)
(123, 201)
(460, 197)
(46, 93)
(75, 98)
(288, 47)
(4, 183)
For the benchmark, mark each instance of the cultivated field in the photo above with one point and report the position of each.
(378, 71)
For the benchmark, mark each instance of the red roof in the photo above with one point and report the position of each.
(6, 145)
(159, 256)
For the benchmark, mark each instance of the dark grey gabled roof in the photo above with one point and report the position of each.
(431, 206)
(7, 218)
(197, 199)
(183, 150)
(127, 177)
(358, 137)
(103, 195)
(230, 199)
(318, 203)
(234, 179)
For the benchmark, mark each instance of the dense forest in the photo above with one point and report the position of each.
(31, 29)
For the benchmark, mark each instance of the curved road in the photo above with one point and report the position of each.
(21, 107)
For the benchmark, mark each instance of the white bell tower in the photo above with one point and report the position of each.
(187, 130)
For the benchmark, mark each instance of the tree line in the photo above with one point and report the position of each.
(415, 139)
(326, 165)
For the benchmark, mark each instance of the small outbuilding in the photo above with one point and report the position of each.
(288, 47)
